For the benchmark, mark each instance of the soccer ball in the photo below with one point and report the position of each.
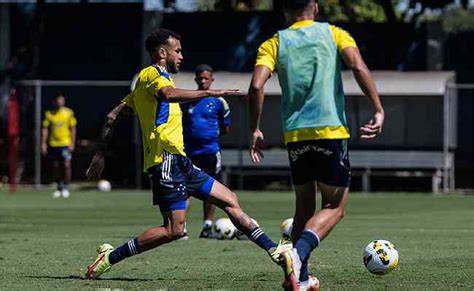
(104, 186)
(286, 227)
(380, 257)
(240, 235)
(224, 229)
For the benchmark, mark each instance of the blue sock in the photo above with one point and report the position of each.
(128, 249)
(307, 242)
(261, 239)
(304, 275)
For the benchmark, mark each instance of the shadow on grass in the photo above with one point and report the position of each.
(75, 277)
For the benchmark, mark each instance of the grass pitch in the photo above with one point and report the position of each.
(47, 243)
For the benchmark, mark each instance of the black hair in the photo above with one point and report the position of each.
(159, 37)
(297, 4)
(59, 94)
(203, 67)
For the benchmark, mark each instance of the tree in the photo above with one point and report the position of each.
(380, 10)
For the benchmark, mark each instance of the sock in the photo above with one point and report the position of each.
(261, 239)
(307, 242)
(304, 275)
(60, 186)
(207, 223)
(128, 249)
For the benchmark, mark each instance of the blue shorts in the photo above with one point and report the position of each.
(60, 153)
(175, 179)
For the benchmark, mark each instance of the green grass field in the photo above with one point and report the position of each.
(47, 243)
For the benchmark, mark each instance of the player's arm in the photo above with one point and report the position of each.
(354, 61)
(72, 128)
(256, 97)
(171, 94)
(97, 164)
(44, 138)
(73, 138)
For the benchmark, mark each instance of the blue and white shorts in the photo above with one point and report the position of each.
(175, 179)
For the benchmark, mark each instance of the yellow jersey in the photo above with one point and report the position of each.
(59, 123)
(160, 120)
(267, 55)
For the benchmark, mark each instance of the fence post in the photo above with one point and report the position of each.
(37, 133)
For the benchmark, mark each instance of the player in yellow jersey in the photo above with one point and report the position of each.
(307, 58)
(155, 100)
(58, 137)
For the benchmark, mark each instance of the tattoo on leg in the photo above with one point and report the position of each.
(246, 222)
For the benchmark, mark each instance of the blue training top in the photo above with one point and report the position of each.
(201, 122)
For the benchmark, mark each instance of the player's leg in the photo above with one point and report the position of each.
(334, 200)
(208, 211)
(66, 171)
(172, 229)
(304, 210)
(207, 163)
(206, 188)
(169, 192)
(56, 160)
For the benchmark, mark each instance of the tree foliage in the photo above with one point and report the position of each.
(380, 10)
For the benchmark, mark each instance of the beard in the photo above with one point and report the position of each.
(173, 67)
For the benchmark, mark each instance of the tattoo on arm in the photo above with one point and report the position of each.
(113, 117)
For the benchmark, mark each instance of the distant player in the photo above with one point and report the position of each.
(307, 59)
(155, 100)
(204, 120)
(58, 138)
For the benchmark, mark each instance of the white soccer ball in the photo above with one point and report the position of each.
(380, 257)
(286, 227)
(224, 229)
(104, 186)
(240, 235)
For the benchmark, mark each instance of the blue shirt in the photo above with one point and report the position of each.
(201, 122)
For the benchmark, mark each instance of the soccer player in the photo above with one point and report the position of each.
(204, 120)
(58, 138)
(155, 100)
(307, 56)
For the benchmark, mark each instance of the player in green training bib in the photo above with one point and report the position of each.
(307, 59)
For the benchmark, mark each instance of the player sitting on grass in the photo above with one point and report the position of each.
(155, 101)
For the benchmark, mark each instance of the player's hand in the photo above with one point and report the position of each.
(44, 149)
(95, 167)
(71, 148)
(221, 93)
(256, 147)
(373, 127)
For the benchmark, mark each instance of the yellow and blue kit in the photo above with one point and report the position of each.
(173, 175)
(59, 123)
